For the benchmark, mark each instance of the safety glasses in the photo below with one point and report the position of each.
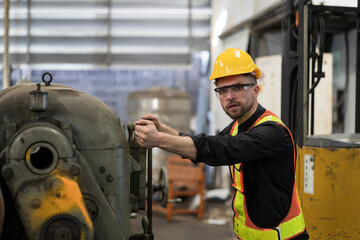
(233, 89)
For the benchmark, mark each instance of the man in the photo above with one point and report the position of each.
(257, 147)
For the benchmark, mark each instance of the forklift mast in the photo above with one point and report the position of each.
(305, 27)
(328, 166)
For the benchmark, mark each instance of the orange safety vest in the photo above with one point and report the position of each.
(292, 225)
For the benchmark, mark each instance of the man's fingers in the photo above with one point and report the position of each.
(143, 122)
(143, 127)
(149, 116)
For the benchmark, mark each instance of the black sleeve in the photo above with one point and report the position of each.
(261, 141)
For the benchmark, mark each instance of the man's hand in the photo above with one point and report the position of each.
(160, 126)
(150, 133)
(154, 118)
(146, 134)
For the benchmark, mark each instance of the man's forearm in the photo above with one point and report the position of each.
(182, 145)
(168, 130)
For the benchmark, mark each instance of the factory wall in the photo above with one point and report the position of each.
(114, 86)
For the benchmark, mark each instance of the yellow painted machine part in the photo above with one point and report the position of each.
(333, 211)
(58, 195)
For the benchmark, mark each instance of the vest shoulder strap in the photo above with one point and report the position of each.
(268, 116)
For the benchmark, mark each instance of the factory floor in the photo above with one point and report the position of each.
(216, 224)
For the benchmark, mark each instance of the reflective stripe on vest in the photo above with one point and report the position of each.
(244, 228)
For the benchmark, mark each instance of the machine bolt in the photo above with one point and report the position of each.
(75, 170)
(7, 173)
(60, 194)
(35, 203)
(109, 178)
(101, 169)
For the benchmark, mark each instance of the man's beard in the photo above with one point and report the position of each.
(244, 108)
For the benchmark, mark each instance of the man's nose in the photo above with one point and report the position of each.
(229, 95)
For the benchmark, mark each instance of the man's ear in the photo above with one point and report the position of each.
(256, 90)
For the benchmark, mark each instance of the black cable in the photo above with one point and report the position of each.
(292, 122)
(319, 74)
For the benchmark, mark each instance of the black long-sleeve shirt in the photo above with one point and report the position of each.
(267, 154)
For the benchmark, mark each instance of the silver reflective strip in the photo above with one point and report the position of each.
(278, 229)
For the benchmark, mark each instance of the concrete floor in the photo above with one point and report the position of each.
(216, 225)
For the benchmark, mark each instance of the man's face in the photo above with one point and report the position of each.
(238, 96)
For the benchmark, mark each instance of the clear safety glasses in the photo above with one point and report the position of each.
(233, 89)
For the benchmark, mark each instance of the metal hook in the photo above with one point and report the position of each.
(47, 83)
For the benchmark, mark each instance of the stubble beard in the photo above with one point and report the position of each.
(243, 109)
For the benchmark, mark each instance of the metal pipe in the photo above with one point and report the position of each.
(303, 49)
(108, 51)
(28, 28)
(6, 82)
(190, 29)
(313, 57)
(288, 41)
(149, 193)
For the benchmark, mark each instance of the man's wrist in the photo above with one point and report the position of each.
(162, 140)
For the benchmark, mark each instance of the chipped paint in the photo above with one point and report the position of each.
(329, 212)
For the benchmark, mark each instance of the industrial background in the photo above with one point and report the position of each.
(140, 56)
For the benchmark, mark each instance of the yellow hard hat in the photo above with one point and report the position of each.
(233, 62)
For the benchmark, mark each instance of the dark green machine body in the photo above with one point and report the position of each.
(67, 167)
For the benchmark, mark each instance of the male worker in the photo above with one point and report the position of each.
(257, 147)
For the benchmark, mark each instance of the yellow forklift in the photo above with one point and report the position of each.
(328, 165)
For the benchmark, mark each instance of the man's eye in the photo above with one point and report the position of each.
(237, 88)
(223, 90)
